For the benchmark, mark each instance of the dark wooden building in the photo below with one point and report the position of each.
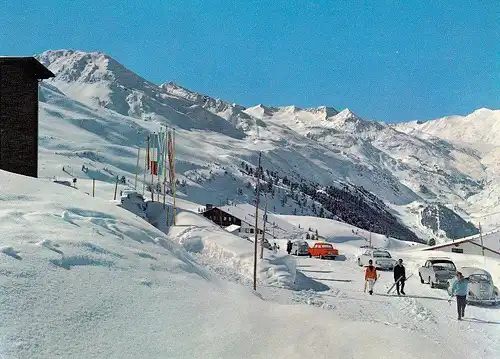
(220, 217)
(241, 215)
(19, 78)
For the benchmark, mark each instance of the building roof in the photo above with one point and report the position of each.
(232, 228)
(30, 64)
(487, 244)
(246, 213)
(447, 244)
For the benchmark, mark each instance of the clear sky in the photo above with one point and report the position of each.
(384, 59)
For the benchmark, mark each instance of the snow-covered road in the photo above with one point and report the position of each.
(423, 310)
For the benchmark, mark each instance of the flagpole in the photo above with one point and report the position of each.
(165, 169)
(173, 168)
(146, 166)
(152, 169)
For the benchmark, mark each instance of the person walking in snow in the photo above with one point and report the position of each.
(289, 246)
(400, 276)
(370, 276)
(459, 289)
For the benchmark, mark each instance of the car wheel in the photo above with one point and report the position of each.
(310, 255)
(320, 256)
(421, 279)
(333, 257)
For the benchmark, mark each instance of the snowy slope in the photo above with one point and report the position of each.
(83, 278)
(405, 169)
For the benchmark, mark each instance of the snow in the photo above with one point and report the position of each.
(81, 277)
(100, 282)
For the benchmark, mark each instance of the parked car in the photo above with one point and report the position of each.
(481, 287)
(323, 250)
(437, 271)
(381, 258)
(131, 195)
(300, 248)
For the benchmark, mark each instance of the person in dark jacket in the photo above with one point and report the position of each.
(399, 272)
(289, 246)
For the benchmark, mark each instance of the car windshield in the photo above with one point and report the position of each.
(381, 254)
(443, 266)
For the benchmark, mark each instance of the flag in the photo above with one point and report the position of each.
(161, 152)
(153, 163)
(154, 168)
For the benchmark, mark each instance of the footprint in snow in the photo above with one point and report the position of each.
(11, 252)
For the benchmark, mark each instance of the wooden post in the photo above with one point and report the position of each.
(116, 187)
(256, 224)
(481, 237)
(263, 233)
(93, 187)
(137, 167)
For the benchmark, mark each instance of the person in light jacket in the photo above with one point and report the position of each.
(459, 289)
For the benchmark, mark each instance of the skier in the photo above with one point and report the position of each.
(460, 289)
(370, 276)
(399, 272)
(289, 246)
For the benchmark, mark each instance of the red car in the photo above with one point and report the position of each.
(323, 250)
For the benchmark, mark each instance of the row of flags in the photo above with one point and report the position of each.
(161, 156)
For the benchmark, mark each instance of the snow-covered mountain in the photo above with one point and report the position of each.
(108, 110)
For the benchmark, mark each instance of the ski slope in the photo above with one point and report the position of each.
(83, 278)
(96, 112)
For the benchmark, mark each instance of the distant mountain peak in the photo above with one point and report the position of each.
(323, 110)
(348, 115)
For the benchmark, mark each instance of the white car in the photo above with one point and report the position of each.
(381, 258)
(437, 271)
(481, 289)
(300, 248)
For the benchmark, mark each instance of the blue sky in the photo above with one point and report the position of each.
(385, 60)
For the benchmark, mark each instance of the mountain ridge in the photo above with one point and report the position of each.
(319, 144)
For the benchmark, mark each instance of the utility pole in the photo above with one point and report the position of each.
(263, 233)
(257, 190)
